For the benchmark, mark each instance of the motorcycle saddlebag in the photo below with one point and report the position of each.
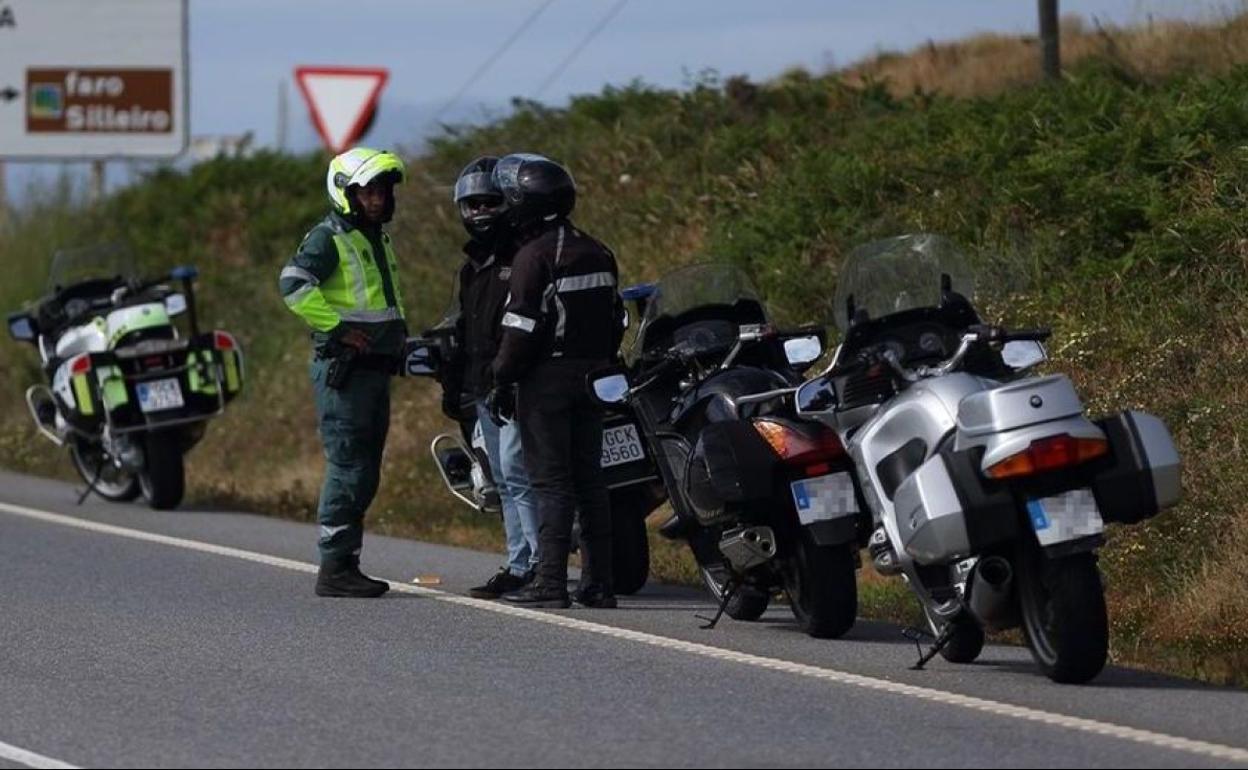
(730, 464)
(1142, 476)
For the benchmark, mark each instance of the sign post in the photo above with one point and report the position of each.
(342, 101)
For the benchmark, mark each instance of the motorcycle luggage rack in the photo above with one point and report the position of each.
(31, 392)
(455, 488)
(151, 424)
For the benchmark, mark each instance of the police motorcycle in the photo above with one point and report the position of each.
(128, 393)
(764, 500)
(460, 456)
(989, 486)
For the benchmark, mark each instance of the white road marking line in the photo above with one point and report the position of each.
(31, 759)
(1081, 724)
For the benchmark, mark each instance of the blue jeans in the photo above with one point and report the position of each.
(515, 492)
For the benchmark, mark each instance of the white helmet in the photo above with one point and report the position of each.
(359, 166)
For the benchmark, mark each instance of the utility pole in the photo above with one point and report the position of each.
(4, 199)
(95, 190)
(1050, 39)
(283, 115)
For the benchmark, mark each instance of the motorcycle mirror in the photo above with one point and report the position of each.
(802, 351)
(22, 327)
(184, 273)
(818, 396)
(421, 360)
(175, 304)
(1019, 354)
(610, 389)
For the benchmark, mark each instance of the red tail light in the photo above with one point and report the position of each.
(1050, 454)
(80, 364)
(224, 341)
(810, 445)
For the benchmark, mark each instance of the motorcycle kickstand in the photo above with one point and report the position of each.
(730, 590)
(940, 643)
(99, 471)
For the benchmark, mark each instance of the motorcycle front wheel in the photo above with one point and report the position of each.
(1064, 616)
(96, 469)
(822, 587)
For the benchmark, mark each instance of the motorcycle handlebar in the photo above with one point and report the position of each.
(1028, 335)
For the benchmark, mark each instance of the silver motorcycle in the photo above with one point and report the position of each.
(989, 487)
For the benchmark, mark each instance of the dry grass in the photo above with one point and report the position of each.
(989, 64)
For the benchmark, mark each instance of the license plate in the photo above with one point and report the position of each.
(621, 444)
(824, 498)
(159, 395)
(1066, 517)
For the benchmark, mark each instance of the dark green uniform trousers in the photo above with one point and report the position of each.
(353, 426)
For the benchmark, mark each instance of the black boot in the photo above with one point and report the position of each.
(342, 577)
(503, 582)
(595, 595)
(541, 595)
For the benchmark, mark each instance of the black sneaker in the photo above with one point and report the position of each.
(596, 597)
(503, 582)
(541, 596)
(344, 579)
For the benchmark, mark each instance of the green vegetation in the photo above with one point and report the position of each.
(1110, 207)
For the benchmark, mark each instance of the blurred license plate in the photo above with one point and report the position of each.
(621, 444)
(824, 498)
(1070, 516)
(158, 395)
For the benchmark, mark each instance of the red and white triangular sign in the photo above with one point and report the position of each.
(340, 100)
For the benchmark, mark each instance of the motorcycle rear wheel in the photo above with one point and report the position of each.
(1064, 616)
(822, 587)
(164, 479)
(630, 543)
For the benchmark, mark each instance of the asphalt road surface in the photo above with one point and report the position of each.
(130, 637)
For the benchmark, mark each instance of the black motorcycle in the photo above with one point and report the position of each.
(765, 501)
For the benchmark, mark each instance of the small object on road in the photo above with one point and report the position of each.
(427, 580)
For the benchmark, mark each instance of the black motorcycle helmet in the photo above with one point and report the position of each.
(535, 189)
(480, 201)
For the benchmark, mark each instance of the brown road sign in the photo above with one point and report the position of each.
(99, 99)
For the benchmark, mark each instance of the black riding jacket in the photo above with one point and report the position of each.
(484, 286)
(565, 302)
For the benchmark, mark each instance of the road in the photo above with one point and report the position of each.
(135, 638)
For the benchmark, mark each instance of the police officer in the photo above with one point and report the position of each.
(483, 291)
(343, 282)
(563, 321)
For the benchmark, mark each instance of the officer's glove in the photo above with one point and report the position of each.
(502, 404)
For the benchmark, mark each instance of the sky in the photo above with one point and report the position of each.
(243, 51)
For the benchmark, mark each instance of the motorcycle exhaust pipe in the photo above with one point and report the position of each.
(746, 549)
(989, 590)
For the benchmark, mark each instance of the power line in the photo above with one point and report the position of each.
(494, 57)
(593, 33)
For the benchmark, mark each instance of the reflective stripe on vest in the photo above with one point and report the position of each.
(355, 290)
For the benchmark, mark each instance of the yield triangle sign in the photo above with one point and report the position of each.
(341, 100)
